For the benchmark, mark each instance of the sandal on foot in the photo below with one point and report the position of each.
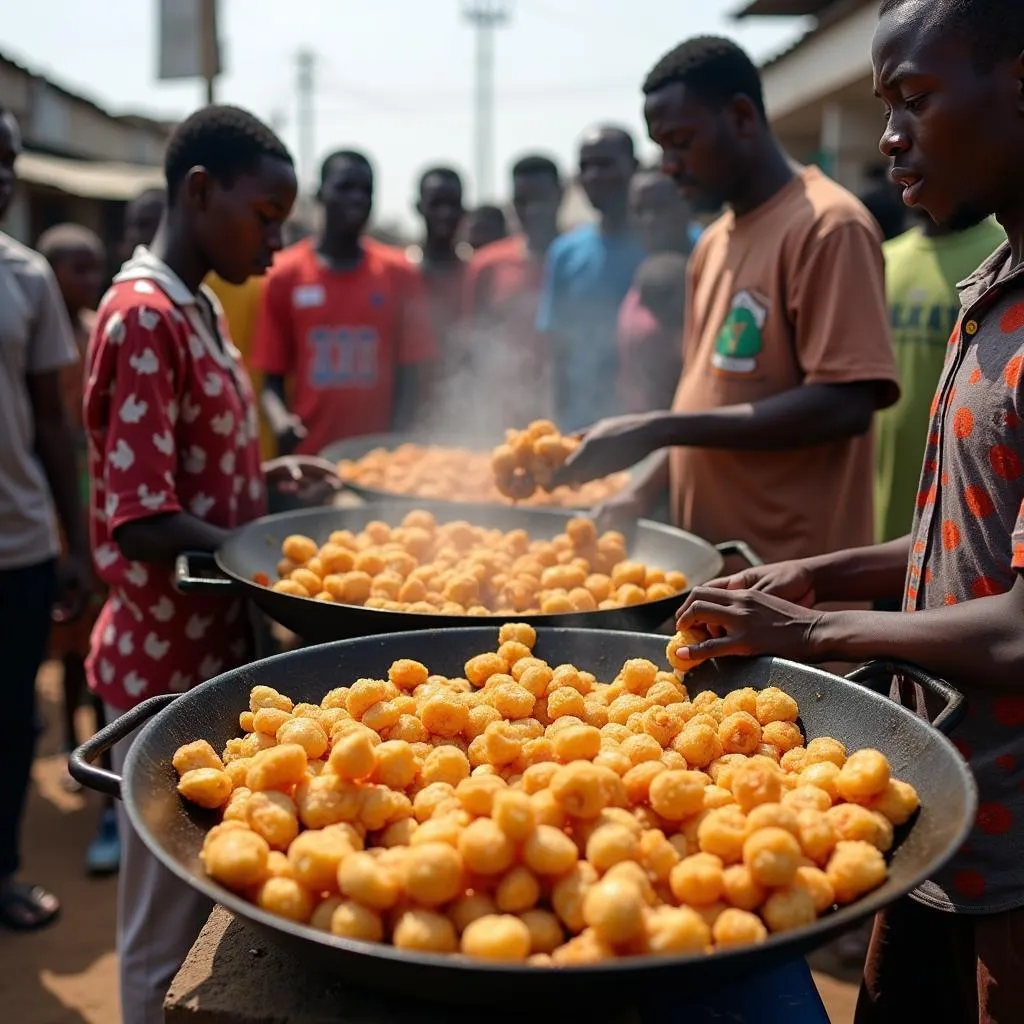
(25, 908)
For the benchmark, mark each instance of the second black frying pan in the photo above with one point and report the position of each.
(256, 548)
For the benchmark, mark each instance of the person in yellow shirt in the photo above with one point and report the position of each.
(240, 303)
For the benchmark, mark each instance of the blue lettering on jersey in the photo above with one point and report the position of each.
(343, 357)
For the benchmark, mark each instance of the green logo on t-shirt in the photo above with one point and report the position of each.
(740, 341)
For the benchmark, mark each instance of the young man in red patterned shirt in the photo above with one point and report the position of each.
(951, 76)
(175, 466)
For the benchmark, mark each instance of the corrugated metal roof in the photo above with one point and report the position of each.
(89, 179)
(782, 8)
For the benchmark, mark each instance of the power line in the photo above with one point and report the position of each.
(485, 16)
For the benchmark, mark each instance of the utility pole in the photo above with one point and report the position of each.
(485, 16)
(209, 49)
(306, 62)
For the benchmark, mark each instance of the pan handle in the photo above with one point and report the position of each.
(877, 676)
(741, 549)
(198, 570)
(80, 763)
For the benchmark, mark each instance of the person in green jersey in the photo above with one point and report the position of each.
(922, 269)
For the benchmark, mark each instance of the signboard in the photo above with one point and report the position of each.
(187, 40)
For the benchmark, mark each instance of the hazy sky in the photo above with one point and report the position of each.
(394, 77)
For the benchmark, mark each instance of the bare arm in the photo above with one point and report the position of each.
(978, 643)
(802, 417)
(159, 540)
(799, 418)
(861, 574)
(55, 447)
(975, 644)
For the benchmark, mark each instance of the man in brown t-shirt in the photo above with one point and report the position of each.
(949, 73)
(786, 350)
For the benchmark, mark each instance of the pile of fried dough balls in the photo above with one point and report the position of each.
(528, 813)
(525, 465)
(459, 569)
(452, 473)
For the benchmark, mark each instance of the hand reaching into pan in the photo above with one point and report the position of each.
(749, 622)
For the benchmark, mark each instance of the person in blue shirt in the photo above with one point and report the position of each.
(586, 276)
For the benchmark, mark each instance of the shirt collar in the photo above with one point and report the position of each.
(144, 265)
(991, 279)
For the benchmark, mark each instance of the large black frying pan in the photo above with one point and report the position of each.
(830, 706)
(354, 448)
(256, 548)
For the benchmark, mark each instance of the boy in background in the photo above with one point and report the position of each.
(77, 257)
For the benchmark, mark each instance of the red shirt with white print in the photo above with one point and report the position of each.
(171, 423)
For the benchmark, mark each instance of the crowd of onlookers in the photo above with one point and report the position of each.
(773, 372)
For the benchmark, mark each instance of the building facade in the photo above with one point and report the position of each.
(819, 93)
(80, 163)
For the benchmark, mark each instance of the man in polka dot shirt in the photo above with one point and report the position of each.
(950, 74)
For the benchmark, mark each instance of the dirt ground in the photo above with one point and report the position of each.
(67, 974)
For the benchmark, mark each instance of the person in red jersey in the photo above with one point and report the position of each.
(501, 297)
(175, 466)
(342, 335)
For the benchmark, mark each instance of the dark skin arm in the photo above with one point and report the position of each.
(874, 573)
(55, 447)
(802, 417)
(976, 644)
(158, 540)
(286, 427)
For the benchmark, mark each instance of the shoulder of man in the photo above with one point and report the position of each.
(828, 206)
(27, 264)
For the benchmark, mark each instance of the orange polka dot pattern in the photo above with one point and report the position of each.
(968, 544)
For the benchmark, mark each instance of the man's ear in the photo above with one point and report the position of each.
(196, 187)
(745, 116)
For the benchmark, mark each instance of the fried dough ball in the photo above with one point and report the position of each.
(740, 733)
(206, 787)
(756, 783)
(499, 937)
(433, 874)
(546, 933)
(676, 795)
(863, 776)
(549, 852)
(274, 816)
(237, 859)
(772, 856)
(788, 908)
(425, 931)
(735, 928)
(198, 754)
(316, 855)
(854, 869)
(817, 885)
(286, 898)
(740, 890)
(723, 832)
(362, 877)
(775, 705)
(697, 880)
(351, 920)
(898, 802)
(615, 910)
